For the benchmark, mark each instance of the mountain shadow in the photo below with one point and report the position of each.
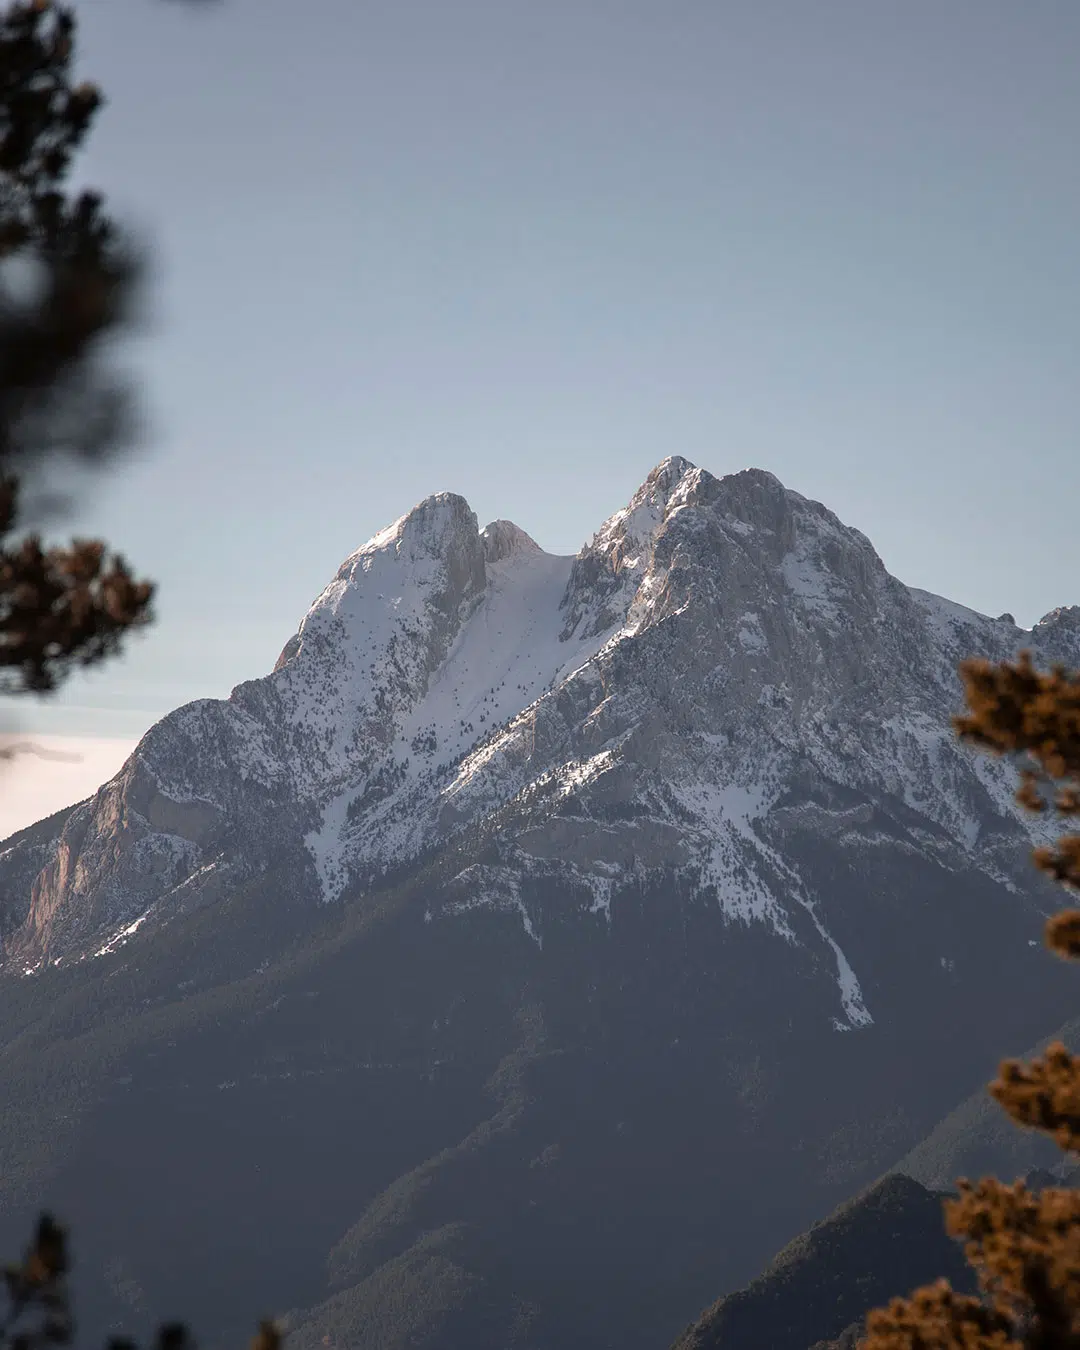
(881, 1244)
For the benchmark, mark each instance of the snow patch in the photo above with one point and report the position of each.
(750, 633)
(120, 938)
(494, 888)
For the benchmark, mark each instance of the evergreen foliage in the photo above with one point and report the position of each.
(1023, 1245)
(68, 279)
(68, 282)
(39, 1306)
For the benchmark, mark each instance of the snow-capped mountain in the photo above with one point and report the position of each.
(491, 952)
(680, 697)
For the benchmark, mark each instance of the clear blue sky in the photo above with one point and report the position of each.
(522, 251)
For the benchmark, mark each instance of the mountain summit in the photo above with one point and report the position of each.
(537, 948)
(723, 671)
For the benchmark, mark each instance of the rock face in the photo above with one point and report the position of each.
(724, 675)
(537, 948)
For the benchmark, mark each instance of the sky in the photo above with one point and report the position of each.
(525, 251)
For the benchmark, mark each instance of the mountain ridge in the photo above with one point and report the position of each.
(881, 1244)
(449, 673)
(536, 950)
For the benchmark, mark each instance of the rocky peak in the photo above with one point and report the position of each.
(416, 579)
(502, 539)
(718, 641)
(757, 499)
(362, 657)
(427, 529)
(1058, 634)
(1064, 616)
(686, 533)
(610, 568)
(625, 536)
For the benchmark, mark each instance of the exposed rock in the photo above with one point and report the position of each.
(725, 676)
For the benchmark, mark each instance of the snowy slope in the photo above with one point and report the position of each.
(724, 676)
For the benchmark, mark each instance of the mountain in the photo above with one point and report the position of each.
(711, 674)
(537, 948)
(977, 1138)
(884, 1243)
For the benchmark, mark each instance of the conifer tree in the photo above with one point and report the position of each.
(1023, 1246)
(68, 281)
(39, 1311)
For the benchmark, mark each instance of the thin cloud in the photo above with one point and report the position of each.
(43, 774)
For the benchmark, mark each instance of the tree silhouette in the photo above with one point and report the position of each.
(68, 281)
(1023, 1246)
(39, 1305)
